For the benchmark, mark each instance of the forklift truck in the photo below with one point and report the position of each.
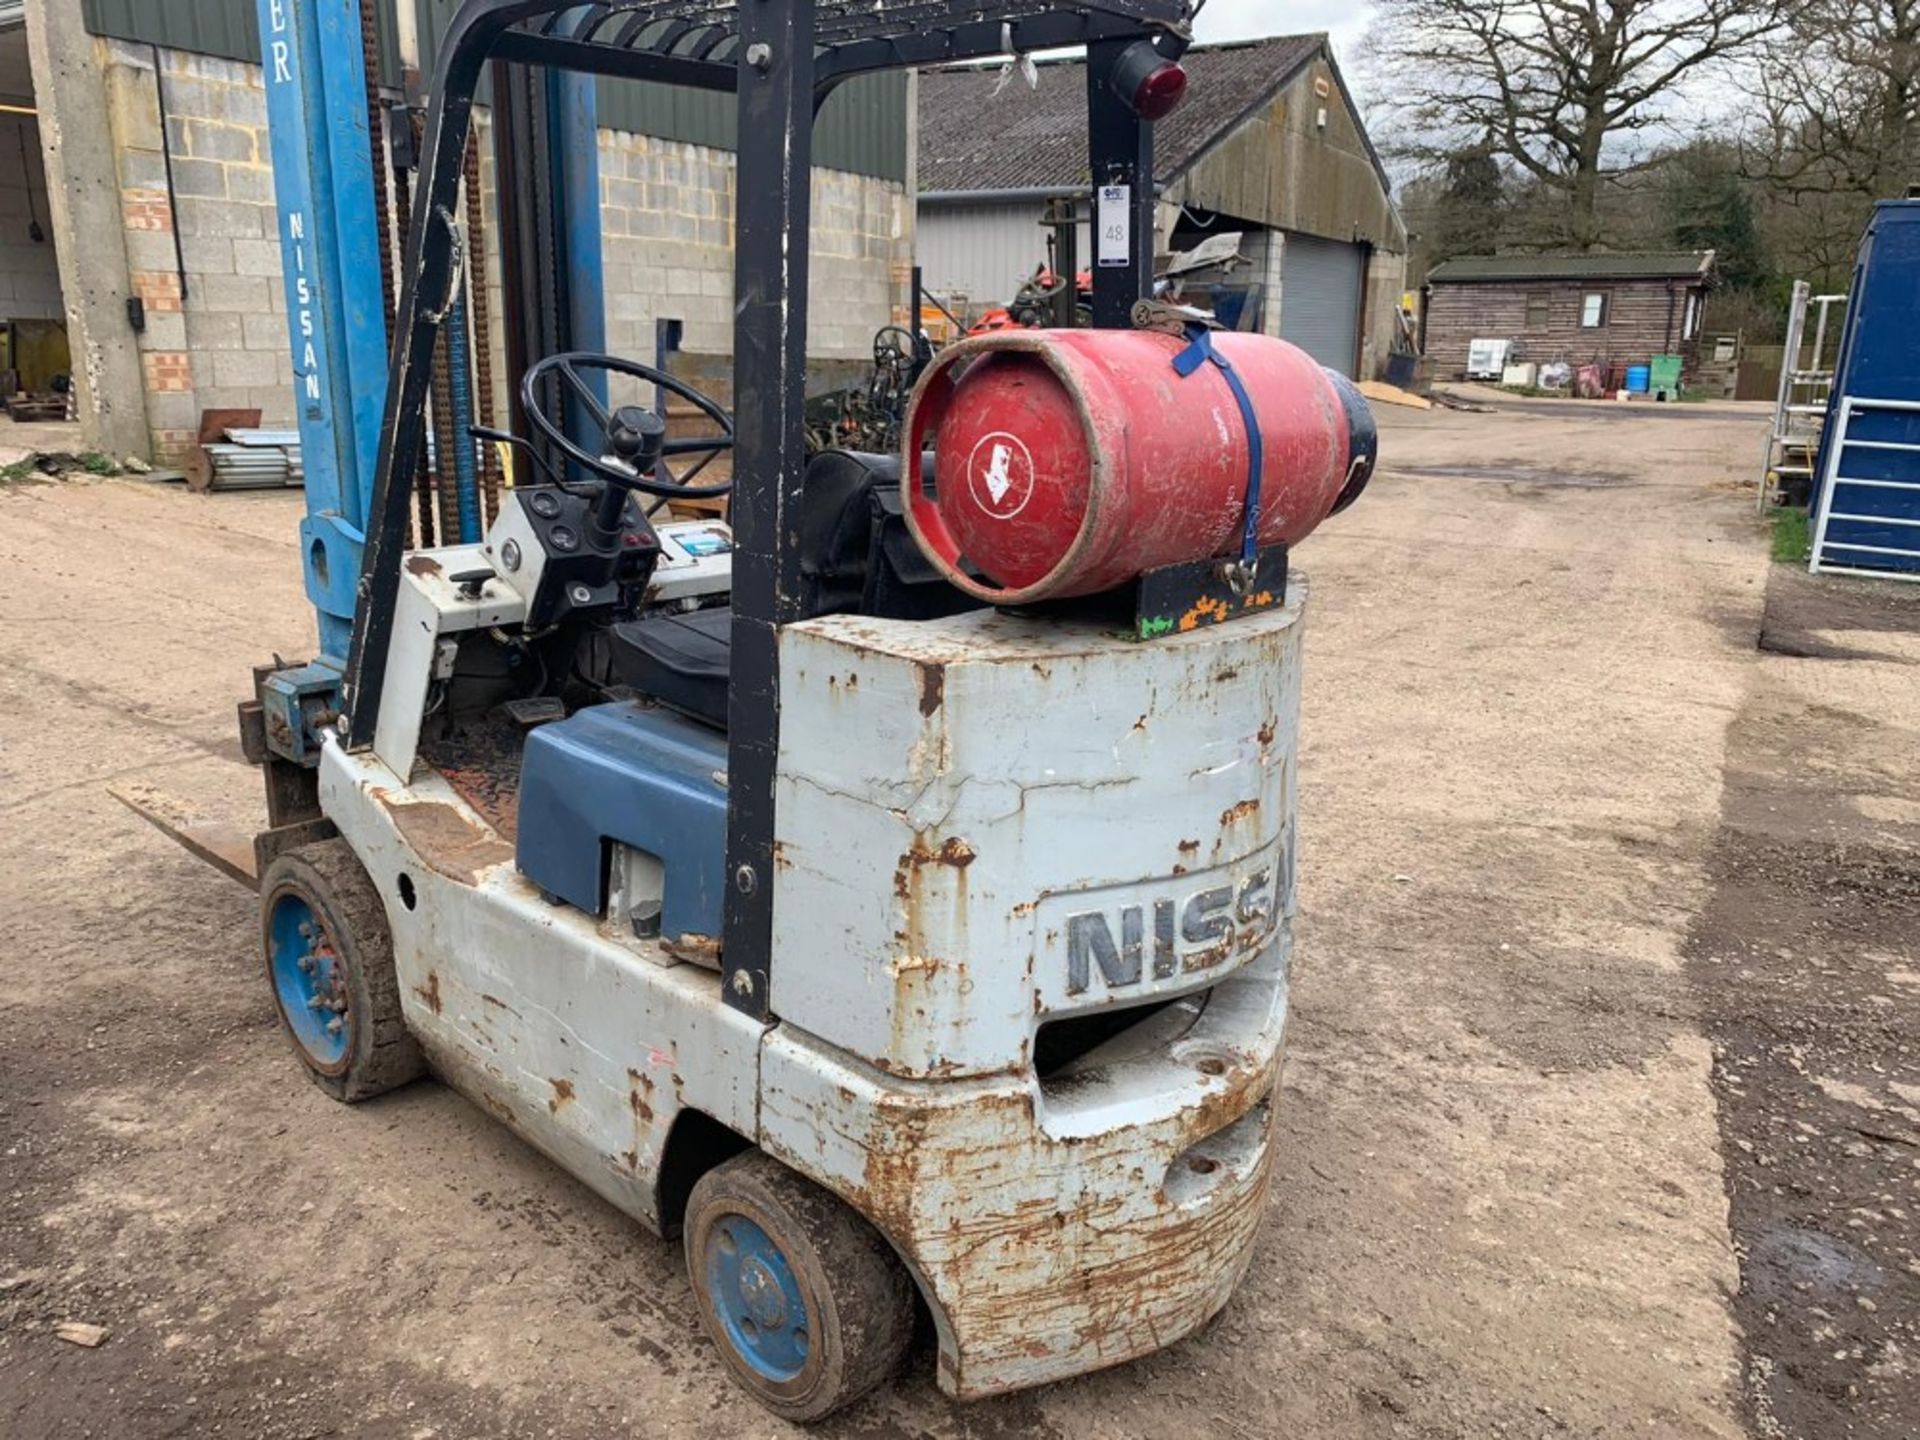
(779, 890)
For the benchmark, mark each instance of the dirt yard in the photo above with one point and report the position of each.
(1602, 1116)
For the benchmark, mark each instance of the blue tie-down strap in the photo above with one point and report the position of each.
(1198, 352)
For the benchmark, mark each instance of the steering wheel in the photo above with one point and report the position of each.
(894, 347)
(617, 427)
(896, 365)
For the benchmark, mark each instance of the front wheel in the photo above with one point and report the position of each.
(810, 1307)
(330, 961)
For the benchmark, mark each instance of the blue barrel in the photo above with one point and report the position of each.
(1639, 379)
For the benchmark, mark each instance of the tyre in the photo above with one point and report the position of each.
(329, 960)
(809, 1306)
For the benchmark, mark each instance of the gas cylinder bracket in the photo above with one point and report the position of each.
(1238, 576)
(1176, 599)
(1198, 352)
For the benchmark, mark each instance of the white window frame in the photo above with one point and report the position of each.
(1691, 327)
(1593, 310)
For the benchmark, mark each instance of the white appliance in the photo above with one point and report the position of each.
(1487, 358)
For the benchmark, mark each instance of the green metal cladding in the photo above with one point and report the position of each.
(862, 129)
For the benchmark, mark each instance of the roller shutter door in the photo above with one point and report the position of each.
(1320, 289)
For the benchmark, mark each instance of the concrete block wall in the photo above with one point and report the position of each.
(667, 215)
(667, 211)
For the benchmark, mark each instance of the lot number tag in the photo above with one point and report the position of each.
(1116, 224)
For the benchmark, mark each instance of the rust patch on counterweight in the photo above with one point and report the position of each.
(933, 688)
(701, 950)
(429, 993)
(954, 853)
(562, 1095)
(422, 565)
(1238, 812)
(447, 842)
(640, 1095)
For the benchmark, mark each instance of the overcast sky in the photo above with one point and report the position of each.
(1344, 20)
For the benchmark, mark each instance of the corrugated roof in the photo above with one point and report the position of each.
(972, 139)
(1626, 265)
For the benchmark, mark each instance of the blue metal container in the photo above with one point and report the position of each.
(1639, 379)
(1866, 494)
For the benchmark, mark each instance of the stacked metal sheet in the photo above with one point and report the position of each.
(255, 460)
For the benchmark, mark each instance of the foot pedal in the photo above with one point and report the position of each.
(532, 713)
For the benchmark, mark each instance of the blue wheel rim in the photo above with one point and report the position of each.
(757, 1299)
(310, 981)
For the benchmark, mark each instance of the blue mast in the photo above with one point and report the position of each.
(317, 116)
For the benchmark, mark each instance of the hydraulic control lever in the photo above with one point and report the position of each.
(636, 436)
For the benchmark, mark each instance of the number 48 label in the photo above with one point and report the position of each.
(1116, 224)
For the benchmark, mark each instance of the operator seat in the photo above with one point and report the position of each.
(856, 557)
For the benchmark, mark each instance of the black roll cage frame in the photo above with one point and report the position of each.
(783, 59)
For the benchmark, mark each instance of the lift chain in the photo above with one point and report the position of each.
(376, 137)
(480, 306)
(403, 196)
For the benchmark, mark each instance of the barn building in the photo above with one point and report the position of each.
(1618, 309)
(1268, 144)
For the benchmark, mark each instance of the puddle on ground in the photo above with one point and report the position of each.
(1791, 1265)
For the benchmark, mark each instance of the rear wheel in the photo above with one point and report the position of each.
(329, 960)
(810, 1307)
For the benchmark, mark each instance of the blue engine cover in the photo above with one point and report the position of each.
(642, 776)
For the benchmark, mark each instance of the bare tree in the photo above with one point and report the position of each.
(1558, 88)
(1839, 127)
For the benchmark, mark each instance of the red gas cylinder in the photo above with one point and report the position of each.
(1067, 462)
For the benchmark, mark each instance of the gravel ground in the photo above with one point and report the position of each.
(1539, 1016)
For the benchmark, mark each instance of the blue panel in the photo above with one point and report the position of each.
(578, 136)
(575, 127)
(1879, 359)
(642, 776)
(1880, 351)
(323, 181)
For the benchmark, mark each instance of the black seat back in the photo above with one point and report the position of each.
(857, 557)
(682, 660)
(856, 554)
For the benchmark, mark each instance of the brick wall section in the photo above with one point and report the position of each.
(169, 372)
(667, 210)
(1643, 318)
(159, 290)
(225, 345)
